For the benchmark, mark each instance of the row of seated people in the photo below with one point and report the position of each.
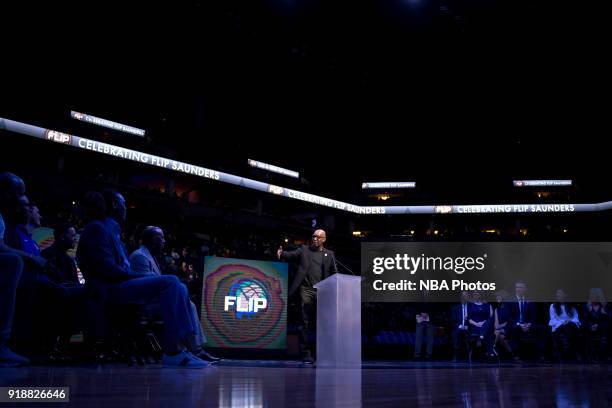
(46, 284)
(510, 324)
(113, 278)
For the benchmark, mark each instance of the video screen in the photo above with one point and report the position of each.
(244, 303)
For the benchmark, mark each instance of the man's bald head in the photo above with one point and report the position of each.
(153, 238)
(12, 187)
(318, 238)
(12, 190)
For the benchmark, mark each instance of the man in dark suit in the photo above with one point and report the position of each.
(459, 321)
(11, 268)
(60, 266)
(315, 263)
(106, 268)
(17, 267)
(64, 290)
(524, 324)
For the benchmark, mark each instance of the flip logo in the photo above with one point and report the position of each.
(253, 305)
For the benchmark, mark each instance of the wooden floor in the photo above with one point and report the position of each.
(288, 384)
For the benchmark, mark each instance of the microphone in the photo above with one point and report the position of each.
(342, 265)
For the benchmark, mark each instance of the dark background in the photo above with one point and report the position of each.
(459, 96)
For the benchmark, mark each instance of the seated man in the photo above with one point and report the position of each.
(61, 267)
(11, 267)
(19, 234)
(61, 271)
(523, 319)
(106, 268)
(143, 261)
(459, 318)
(597, 323)
(48, 302)
(12, 261)
(425, 328)
(20, 219)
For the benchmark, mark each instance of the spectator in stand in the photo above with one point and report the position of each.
(105, 265)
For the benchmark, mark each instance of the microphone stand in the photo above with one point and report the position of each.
(344, 266)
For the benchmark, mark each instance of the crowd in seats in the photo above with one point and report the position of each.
(44, 300)
(46, 295)
(512, 327)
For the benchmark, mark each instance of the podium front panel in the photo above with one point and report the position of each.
(339, 321)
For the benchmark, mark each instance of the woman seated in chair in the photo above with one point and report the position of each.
(480, 314)
(502, 317)
(564, 323)
(596, 320)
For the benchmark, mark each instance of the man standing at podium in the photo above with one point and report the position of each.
(315, 263)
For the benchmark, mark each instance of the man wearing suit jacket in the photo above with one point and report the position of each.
(524, 324)
(143, 261)
(64, 291)
(109, 279)
(315, 263)
(459, 320)
(12, 188)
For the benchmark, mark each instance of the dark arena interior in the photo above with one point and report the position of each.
(306, 203)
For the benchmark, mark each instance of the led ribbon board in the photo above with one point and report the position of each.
(542, 183)
(181, 167)
(273, 169)
(83, 117)
(390, 185)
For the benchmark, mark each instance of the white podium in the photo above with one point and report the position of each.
(339, 321)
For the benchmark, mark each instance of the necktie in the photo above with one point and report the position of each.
(156, 264)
